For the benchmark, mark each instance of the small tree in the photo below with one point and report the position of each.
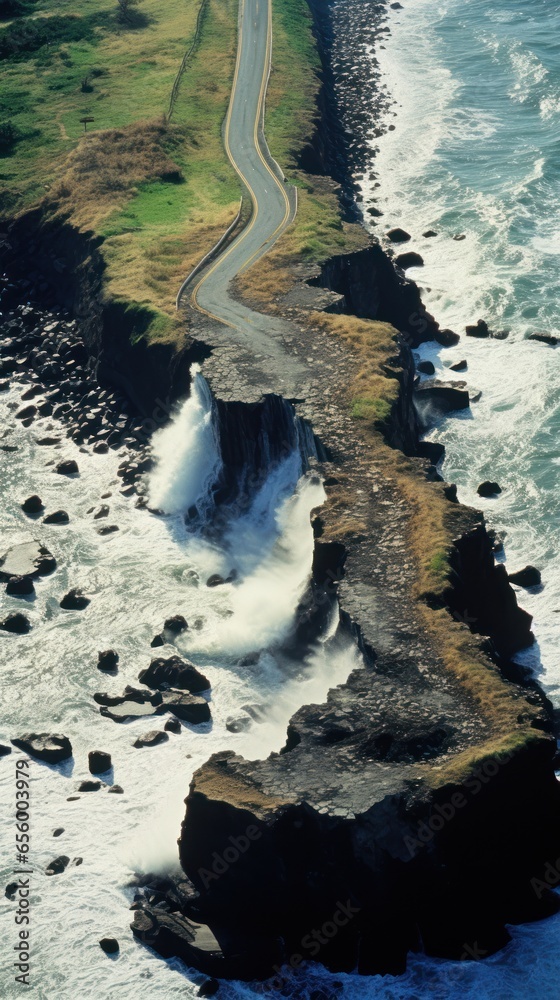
(125, 9)
(9, 135)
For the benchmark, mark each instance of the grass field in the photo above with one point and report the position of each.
(158, 192)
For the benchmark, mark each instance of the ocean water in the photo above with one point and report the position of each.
(475, 152)
(151, 568)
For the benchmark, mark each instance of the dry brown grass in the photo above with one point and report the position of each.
(106, 168)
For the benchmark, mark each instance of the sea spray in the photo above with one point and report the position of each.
(187, 454)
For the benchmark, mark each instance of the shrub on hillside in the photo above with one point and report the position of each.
(9, 135)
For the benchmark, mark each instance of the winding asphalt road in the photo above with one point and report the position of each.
(274, 202)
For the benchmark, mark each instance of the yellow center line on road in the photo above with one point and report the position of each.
(280, 186)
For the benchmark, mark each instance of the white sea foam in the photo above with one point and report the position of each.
(187, 454)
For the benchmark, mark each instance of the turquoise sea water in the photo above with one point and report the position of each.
(476, 153)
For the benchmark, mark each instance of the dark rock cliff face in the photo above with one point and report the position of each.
(373, 288)
(68, 264)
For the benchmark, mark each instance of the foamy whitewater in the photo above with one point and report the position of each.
(153, 567)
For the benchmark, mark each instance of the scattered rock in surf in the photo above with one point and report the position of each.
(57, 517)
(20, 586)
(26, 559)
(489, 489)
(446, 338)
(459, 366)
(68, 467)
(27, 412)
(107, 529)
(11, 889)
(58, 866)
(109, 945)
(443, 397)
(4, 385)
(459, 237)
(238, 725)
(175, 624)
(101, 448)
(158, 640)
(479, 329)
(33, 505)
(187, 707)
(89, 786)
(215, 580)
(426, 368)
(544, 338)
(151, 739)
(47, 441)
(174, 673)
(432, 450)
(477, 397)
(500, 335)
(16, 623)
(211, 986)
(107, 660)
(102, 511)
(528, 577)
(450, 492)
(411, 259)
(52, 748)
(75, 600)
(116, 790)
(99, 761)
(173, 726)
(398, 235)
(430, 234)
(58, 832)
(4, 750)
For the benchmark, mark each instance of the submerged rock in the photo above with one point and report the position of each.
(478, 330)
(489, 489)
(109, 945)
(528, 577)
(27, 559)
(398, 235)
(57, 517)
(68, 467)
(75, 600)
(175, 624)
(411, 259)
(20, 586)
(99, 761)
(173, 726)
(151, 739)
(174, 673)
(446, 338)
(444, 397)
(108, 660)
(89, 786)
(544, 338)
(209, 988)
(426, 368)
(16, 623)
(33, 505)
(215, 580)
(58, 866)
(49, 747)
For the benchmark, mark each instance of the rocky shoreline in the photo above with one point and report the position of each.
(398, 813)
